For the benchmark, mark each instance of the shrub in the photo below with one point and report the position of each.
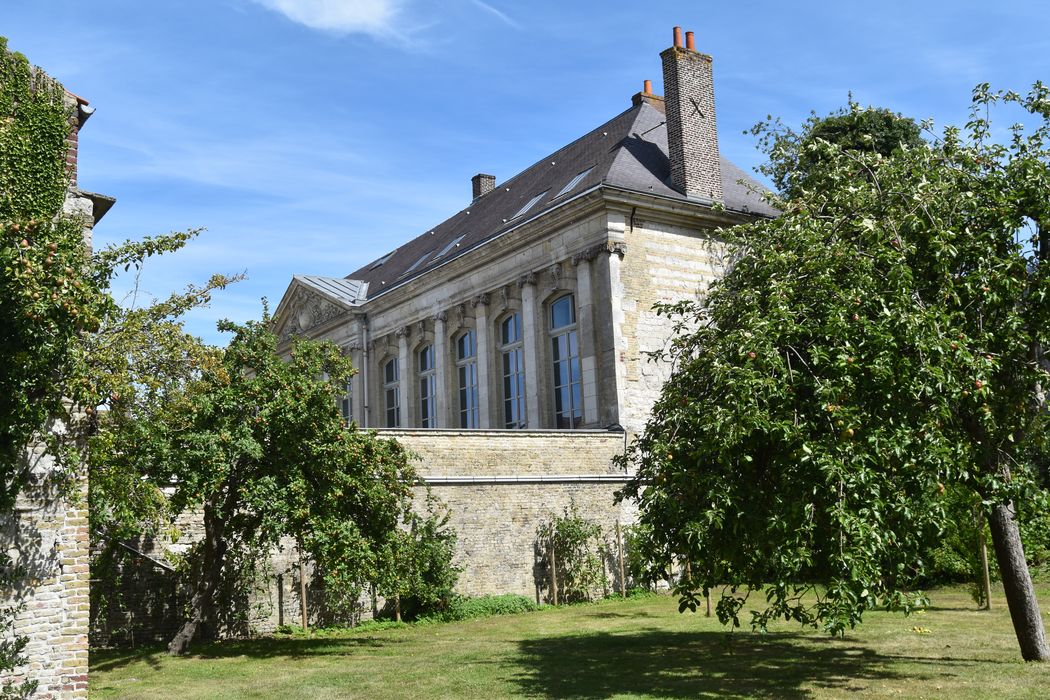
(578, 546)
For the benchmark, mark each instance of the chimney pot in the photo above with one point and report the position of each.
(647, 87)
(482, 184)
(678, 37)
(689, 41)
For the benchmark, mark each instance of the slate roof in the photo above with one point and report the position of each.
(629, 152)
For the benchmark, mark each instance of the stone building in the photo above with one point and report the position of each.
(46, 534)
(531, 310)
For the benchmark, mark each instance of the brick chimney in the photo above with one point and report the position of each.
(482, 184)
(692, 136)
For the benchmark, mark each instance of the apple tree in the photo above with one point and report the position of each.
(878, 343)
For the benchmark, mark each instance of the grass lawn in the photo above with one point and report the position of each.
(640, 648)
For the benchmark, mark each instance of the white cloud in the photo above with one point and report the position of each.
(376, 17)
(503, 16)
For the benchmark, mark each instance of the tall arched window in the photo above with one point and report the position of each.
(513, 363)
(427, 388)
(346, 403)
(565, 356)
(467, 369)
(392, 393)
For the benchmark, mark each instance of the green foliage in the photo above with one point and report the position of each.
(874, 345)
(54, 294)
(12, 646)
(579, 549)
(638, 550)
(468, 608)
(417, 564)
(255, 441)
(48, 297)
(798, 159)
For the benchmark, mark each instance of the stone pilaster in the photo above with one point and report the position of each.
(441, 366)
(406, 377)
(533, 334)
(486, 390)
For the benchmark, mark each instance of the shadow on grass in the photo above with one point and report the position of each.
(261, 648)
(702, 664)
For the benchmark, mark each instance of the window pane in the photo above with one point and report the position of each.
(563, 312)
(390, 370)
(426, 358)
(559, 348)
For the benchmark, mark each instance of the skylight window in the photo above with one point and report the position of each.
(530, 204)
(417, 263)
(449, 247)
(573, 182)
(379, 263)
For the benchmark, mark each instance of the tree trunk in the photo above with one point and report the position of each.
(1017, 583)
(202, 605)
(986, 579)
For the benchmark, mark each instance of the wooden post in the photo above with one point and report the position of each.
(554, 572)
(982, 553)
(302, 588)
(619, 555)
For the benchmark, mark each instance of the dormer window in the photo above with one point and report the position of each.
(573, 182)
(379, 263)
(530, 204)
(450, 246)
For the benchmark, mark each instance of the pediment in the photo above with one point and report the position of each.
(303, 309)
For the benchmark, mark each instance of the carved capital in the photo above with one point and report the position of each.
(441, 316)
(403, 332)
(481, 299)
(555, 271)
(610, 247)
(529, 278)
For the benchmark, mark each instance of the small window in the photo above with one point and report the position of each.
(573, 182)
(449, 247)
(530, 204)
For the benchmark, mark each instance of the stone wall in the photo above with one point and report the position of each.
(46, 537)
(500, 485)
(664, 263)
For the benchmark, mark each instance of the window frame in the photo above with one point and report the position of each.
(392, 389)
(516, 348)
(566, 417)
(467, 380)
(426, 378)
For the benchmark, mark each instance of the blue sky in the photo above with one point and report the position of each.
(311, 136)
